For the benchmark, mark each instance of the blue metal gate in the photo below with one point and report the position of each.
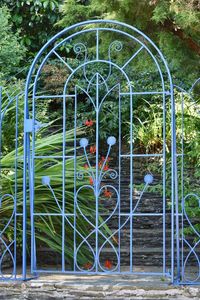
(187, 107)
(86, 181)
(98, 75)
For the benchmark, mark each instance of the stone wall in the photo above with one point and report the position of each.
(96, 287)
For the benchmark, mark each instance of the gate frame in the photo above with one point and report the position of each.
(27, 125)
(28, 128)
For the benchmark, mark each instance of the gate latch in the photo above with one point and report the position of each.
(28, 125)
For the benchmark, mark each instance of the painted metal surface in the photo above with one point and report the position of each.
(189, 200)
(85, 76)
(94, 82)
(9, 164)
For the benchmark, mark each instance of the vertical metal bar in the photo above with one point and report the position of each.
(24, 232)
(75, 172)
(172, 201)
(97, 168)
(119, 187)
(182, 184)
(31, 172)
(176, 204)
(174, 184)
(31, 187)
(63, 184)
(131, 180)
(164, 185)
(16, 177)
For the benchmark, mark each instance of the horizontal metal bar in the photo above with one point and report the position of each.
(122, 94)
(141, 155)
(121, 214)
(54, 96)
(53, 214)
(53, 156)
(102, 273)
(141, 214)
(167, 93)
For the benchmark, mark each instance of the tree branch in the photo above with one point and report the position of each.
(193, 45)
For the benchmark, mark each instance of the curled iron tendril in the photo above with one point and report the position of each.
(111, 173)
(115, 46)
(81, 174)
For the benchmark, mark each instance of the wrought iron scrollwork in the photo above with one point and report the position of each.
(7, 245)
(192, 255)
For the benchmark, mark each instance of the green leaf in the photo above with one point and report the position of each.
(45, 4)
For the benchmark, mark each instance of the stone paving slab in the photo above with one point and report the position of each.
(49, 287)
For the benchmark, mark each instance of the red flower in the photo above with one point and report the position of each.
(86, 166)
(91, 180)
(107, 193)
(89, 123)
(106, 168)
(103, 158)
(108, 264)
(93, 149)
(87, 266)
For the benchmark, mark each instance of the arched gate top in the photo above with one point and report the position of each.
(112, 27)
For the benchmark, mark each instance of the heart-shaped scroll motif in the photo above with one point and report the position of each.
(192, 254)
(105, 236)
(86, 240)
(7, 252)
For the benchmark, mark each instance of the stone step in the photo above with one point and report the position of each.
(111, 287)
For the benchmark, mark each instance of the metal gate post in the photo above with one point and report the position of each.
(174, 187)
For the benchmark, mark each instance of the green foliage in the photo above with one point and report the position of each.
(35, 19)
(76, 10)
(11, 50)
(149, 139)
(173, 25)
(8, 108)
(46, 229)
(185, 14)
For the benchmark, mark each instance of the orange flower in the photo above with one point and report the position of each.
(87, 266)
(100, 164)
(89, 123)
(93, 149)
(106, 168)
(91, 180)
(108, 264)
(103, 158)
(107, 193)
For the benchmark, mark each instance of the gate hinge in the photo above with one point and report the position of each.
(28, 125)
